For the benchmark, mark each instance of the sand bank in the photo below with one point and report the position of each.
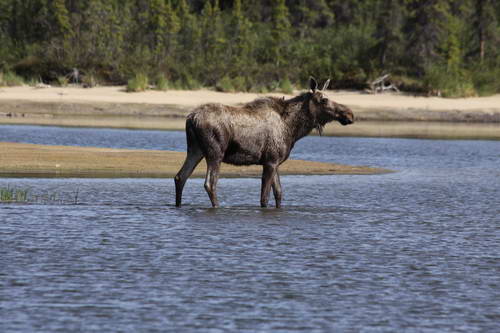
(25, 160)
(385, 115)
(192, 98)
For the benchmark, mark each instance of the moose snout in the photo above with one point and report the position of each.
(347, 119)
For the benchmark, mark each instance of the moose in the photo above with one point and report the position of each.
(261, 132)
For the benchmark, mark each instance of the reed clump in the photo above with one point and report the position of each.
(12, 194)
(26, 195)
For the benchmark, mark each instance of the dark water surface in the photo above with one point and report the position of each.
(413, 251)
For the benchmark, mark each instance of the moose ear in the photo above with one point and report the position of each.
(325, 86)
(313, 84)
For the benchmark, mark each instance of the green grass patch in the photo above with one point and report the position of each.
(10, 79)
(286, 87)
(225, 85)
(162, 83)
(138, 83)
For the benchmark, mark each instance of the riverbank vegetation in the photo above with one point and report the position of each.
(438, 47)
(16, 194)
(13, 194)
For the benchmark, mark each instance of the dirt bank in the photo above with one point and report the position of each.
(25, 160)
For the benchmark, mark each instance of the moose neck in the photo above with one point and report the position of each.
(300, 120)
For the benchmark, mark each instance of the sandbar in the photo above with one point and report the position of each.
(41, 161)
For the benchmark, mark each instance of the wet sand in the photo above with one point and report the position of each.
(30, 160)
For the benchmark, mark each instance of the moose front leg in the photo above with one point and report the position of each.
(277, 189)
(268, 174)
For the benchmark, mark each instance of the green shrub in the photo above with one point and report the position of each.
(286, 87)
(486, 81)
(138, 83)
(10, 79)
(89, 81)
(34, 82)
(176, 85)
(162, 83)
(259, 89)
(240, 84)
(190, 83)
(406, 83)
(225, 85)
(448, 83)
(62, 81)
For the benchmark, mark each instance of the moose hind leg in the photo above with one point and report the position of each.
(213, 167)
(267, 180)
(192, 159)
(277, 189)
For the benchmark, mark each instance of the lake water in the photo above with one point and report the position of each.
(416, 251)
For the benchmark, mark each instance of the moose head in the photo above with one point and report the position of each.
(326, 110)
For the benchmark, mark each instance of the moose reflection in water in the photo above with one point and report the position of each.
(261, 132)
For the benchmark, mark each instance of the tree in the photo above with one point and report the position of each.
(389, 33)
(188, 39)
(62, 22)
(280, 33)
(426, 31)
(240, 43)
(213, 42)
(485, 23)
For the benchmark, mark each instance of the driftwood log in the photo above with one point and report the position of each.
(382, 84)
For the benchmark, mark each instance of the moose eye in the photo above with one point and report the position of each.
(324, 101)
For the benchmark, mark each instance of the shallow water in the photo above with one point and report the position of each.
(416, 250)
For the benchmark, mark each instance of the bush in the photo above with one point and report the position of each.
(239, 83)
(486, 81)
(34, 82)
(448, 83)
(10, 79)
(286, 87)
(62, 81)
(138, 83)
(162, 83)
(259, 89)
(225, 85)
(190, 83)
(89, 81)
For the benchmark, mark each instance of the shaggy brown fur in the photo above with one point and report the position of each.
(260, 132)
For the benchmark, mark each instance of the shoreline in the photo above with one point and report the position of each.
(368, 129)
(21, 160)
(382, 115)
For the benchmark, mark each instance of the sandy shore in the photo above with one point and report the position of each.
(29, 160)
(386, 115)
(190, 99)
